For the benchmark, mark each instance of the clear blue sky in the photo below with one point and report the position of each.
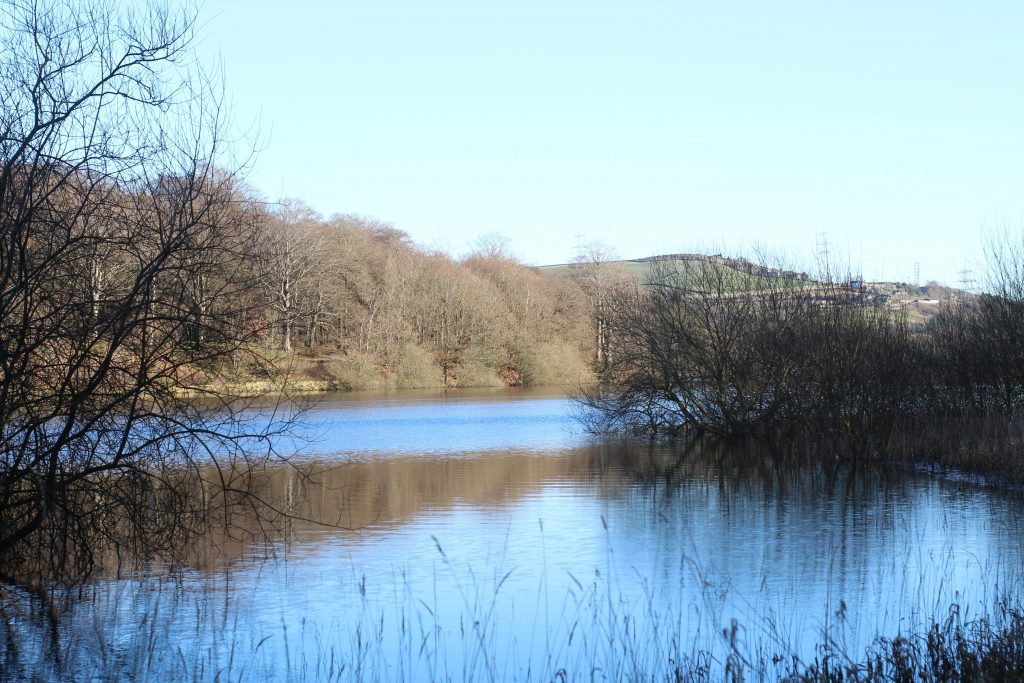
(895, 127)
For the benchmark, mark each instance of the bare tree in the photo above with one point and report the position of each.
(290, 259)
(122, 289)
(1001, 310)
(493, 246)
(709, 347)
(390, 300)
(976, 342)
(452, 313)
(594, 271)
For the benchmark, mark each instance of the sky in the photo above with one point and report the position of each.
(893, 131)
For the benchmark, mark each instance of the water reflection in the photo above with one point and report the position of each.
(454, 552)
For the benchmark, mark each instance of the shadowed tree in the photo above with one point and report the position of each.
(705, 347)
(123, 289)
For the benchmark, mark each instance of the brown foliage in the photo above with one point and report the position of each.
(383, 312)
(123, 285)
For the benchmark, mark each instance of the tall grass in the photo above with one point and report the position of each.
(199, 629)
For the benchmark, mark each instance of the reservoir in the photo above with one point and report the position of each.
(481, 535)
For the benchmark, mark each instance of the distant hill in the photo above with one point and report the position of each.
(920, 303)
(641, 267)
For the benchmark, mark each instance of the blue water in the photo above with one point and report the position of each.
(488, 539)
(431, 423)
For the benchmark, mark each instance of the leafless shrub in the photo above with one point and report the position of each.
(705, 347)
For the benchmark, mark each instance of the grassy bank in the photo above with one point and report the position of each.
(327, 372)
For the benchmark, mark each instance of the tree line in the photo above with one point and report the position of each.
(351, 301)
(704, 349)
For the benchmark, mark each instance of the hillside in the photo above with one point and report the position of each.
(642, 267)
(920, 302)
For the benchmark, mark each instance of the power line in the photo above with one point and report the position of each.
(824, 246)
(824, 252)
(967, 280)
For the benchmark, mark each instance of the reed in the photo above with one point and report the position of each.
(189, 629)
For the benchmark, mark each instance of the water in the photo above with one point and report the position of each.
(479, 535)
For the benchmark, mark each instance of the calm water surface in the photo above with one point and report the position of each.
(479, 535)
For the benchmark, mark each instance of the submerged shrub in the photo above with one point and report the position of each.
(708, 347)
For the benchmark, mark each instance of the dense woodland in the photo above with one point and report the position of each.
(350, 302)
